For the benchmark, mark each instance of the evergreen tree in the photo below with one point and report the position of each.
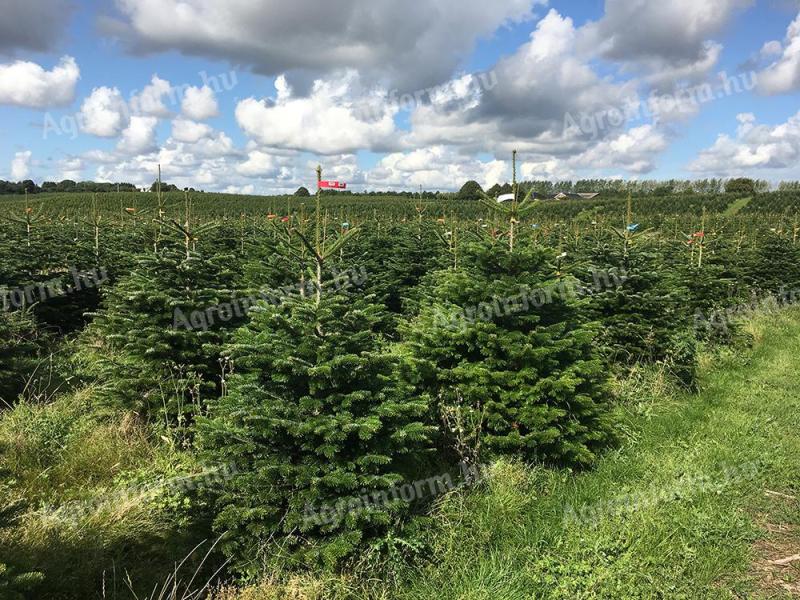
(21, 346)
(640, 315)
(315, 418)
(775, 266)
(505, 348)
(156, 342)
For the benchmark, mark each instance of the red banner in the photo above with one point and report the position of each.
(333, 185)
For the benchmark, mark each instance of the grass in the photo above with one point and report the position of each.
(699, 501)
(84, 520)
(678, 511)
(696, 503)
(736, 206)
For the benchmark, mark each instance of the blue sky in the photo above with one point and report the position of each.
(387, 97)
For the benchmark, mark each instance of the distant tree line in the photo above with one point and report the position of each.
(612, 187)
(65, 186)
(469, 191)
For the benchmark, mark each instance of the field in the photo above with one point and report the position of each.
(355, 397)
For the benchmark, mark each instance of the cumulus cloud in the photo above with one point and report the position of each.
(184, 130)
(437, 167)
(71, 168)
(199, 103)
(783, 75)
(104, 112)
(33, 24)
(151, 99)
(406, 46)
(27, 84)
(139, 136)
(20, 165)
(259, 164)
(633, 150)
(535, 92)
(667, 41)
(753, 147)
(332, 120)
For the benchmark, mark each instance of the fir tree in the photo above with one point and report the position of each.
(316, 421)
(505, 348)
(21, 345)
(156, 342)
(775, 266)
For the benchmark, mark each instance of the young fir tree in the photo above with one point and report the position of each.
(641, 315)
(394, 270)
(156, 342)
(505, 348)
(775, 266)
(319, 426)
(21, 345)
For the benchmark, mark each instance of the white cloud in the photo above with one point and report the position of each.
(20, 165)
(633, 150)
(71, 168)
(436, 167)
(536, 89)
(405, 45)
(199, 103)
(331, 120)
(104, 113)
(139, 136)
(184, 130)
(783, 75)
(28, 84)
(259, 164)
(241, 189)
(754, 147)
(151, 99)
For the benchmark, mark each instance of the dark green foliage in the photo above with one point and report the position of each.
(156, 343)
(470, 191)
(315, 416)
(524, 373)
(741, 185)
(394, 269)
(640, 316)
(302, 192)
(21, 348)
(775, 266)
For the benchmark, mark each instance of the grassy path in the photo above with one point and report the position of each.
(736, 207)
(695, 504)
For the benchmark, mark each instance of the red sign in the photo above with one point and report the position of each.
(333, 185)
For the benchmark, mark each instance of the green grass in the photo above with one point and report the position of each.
(677, 509)
(736, 207)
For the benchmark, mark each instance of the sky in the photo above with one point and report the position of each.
(250, 95)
